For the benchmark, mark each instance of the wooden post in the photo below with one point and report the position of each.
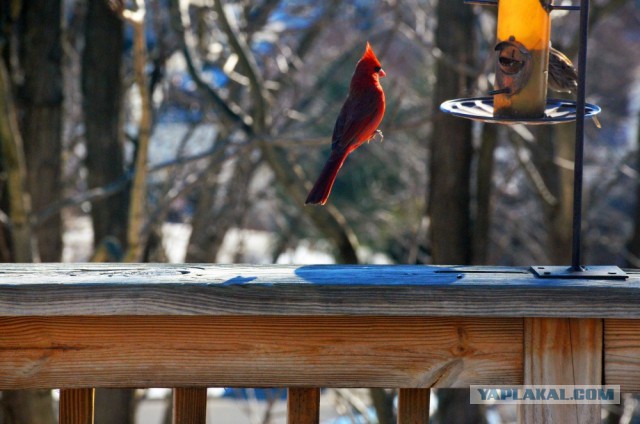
(622, 353)
(303, 405)
(413, 406)
(76, 406)
(562, 351)
(189, 405)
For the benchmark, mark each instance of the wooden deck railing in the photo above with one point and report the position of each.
(76, 327)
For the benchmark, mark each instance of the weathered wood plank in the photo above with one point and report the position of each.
(413, 406)
(566, 352)
(303, 405)
(189, 405)
(622, 353)
(76, 406)
(153, 289)
(409, 352)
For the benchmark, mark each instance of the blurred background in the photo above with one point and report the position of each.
(191, 131)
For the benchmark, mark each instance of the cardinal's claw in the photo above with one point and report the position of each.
(381, 135)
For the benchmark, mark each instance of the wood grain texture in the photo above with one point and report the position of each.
(566, 352)
(303, 405)
(622, 353)
(189, 405)
(409, 352)
(321, 290)
(76, 406)
(413, 406)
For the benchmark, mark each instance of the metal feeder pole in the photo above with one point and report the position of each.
(577, 270)
(579, 153)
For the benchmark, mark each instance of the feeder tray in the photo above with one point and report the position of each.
(481, 109)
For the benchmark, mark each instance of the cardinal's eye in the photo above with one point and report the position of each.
(377, 68)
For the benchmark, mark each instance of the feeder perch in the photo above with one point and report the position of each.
(557, 111)
(520, 97)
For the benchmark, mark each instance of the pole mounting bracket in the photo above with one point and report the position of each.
(587, 272)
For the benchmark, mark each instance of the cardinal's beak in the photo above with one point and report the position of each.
(382, 73)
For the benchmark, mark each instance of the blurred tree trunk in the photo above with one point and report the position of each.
(382, 401)
(41, 100)
(450, 165)
(102, 104)
(138, 197)
(561, 218)
(114, 406)
(454, 407)
(28, 407)
(633, 246)
(14, 165)
(552, 154)
(484, 181)
(19, 406)
(451, 147)
(206, 237)
(222, 204)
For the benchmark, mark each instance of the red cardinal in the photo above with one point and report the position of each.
(358, 122)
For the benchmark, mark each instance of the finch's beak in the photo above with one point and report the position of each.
(382, 73)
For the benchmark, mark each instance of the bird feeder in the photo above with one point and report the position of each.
(521, 65)
(522, 59)
(520, 96)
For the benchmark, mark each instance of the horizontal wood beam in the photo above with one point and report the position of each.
(154, 289)
(76, 352)
(407, 352)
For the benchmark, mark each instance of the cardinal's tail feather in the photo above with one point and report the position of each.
(322, 188)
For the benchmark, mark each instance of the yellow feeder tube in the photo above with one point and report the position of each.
(524, 27)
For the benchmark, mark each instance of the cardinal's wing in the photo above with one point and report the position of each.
(358, 120)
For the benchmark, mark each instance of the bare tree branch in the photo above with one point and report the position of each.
(86, 196)
(257, 17)
(230, 111)
(532, 172)
(248, 62)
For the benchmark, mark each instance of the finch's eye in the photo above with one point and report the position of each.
(377, 68)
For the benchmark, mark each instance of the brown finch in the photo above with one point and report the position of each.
(563, 76)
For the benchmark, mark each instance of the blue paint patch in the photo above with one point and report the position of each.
(380, 275)
(239, 280)
(256, 394)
